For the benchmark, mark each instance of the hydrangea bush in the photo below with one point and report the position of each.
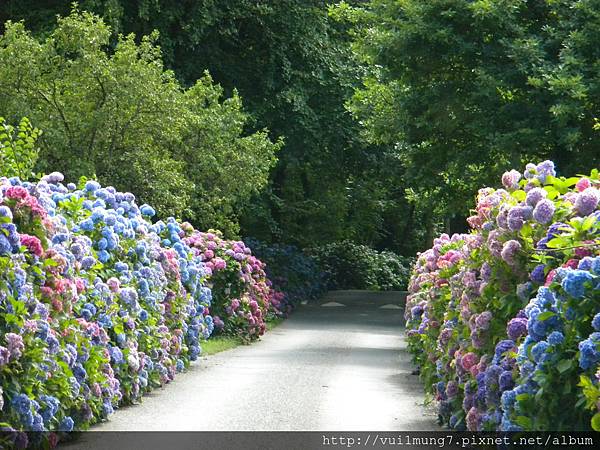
(243, 296)
(98, 304)
(504, 321)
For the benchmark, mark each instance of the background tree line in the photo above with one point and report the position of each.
(385, 116)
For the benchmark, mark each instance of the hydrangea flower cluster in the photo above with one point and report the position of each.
(504, 322)
(98, 304)
(243, 296)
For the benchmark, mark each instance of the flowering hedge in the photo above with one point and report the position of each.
(243, 296)
(98, 305)
(504, 322)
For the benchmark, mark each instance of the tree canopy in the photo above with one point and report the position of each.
(387, 114)
(466, 89)
(119, 115)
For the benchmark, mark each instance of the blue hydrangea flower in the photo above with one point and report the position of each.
(116, 356)
(5, 245)
(66, 424)
(574, 282)
(21, 403)
(537, 274)
(87, 225)
(147, 210)
(556, 338)
(585, 263)
(596, 322)
(6, 212)
(92, 186)
(589, 351)
(103, 256)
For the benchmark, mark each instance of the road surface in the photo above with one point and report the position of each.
(328, 367)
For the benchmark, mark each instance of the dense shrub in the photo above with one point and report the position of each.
(291, 271)
(351, 266)
(242, 294)
(98, 305)
(504, 321)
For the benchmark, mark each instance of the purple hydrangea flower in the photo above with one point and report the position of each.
(502, 347)
(14, 343)
(452, 389)
(485, 271)
(510, 250)
(535, 195)
(510, 180)
(506, 381)
(538, 274)
(516, 328)
(4, 356)
(544, 170)
(517, 216)
(587, 201)
(544, 210)
(483, 320)
(530, 171)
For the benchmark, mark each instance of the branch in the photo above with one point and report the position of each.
(567, 248)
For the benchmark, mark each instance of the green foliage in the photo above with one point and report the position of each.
(114, 111)
(294, 68)
(291, 270)
(292, 63)
(18, 150)
(464, 90)
(351, 266)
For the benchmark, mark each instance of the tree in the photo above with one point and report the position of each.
(467, 89)
(294, 68)
(119, 115)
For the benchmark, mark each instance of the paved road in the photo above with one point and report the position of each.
(326, 368)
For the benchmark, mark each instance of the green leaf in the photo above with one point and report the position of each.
(585, 381)
(552, 192)
(596, 422)
(526, 231)
(572, 181)
(588, 223)
(564, 365)
(557, 242)
(524, 421)
(545, 315)
(519, 195)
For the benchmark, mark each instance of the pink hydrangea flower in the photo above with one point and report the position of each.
(33, 244)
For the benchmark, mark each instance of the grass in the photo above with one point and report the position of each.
(219, 344)
(273, 323)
